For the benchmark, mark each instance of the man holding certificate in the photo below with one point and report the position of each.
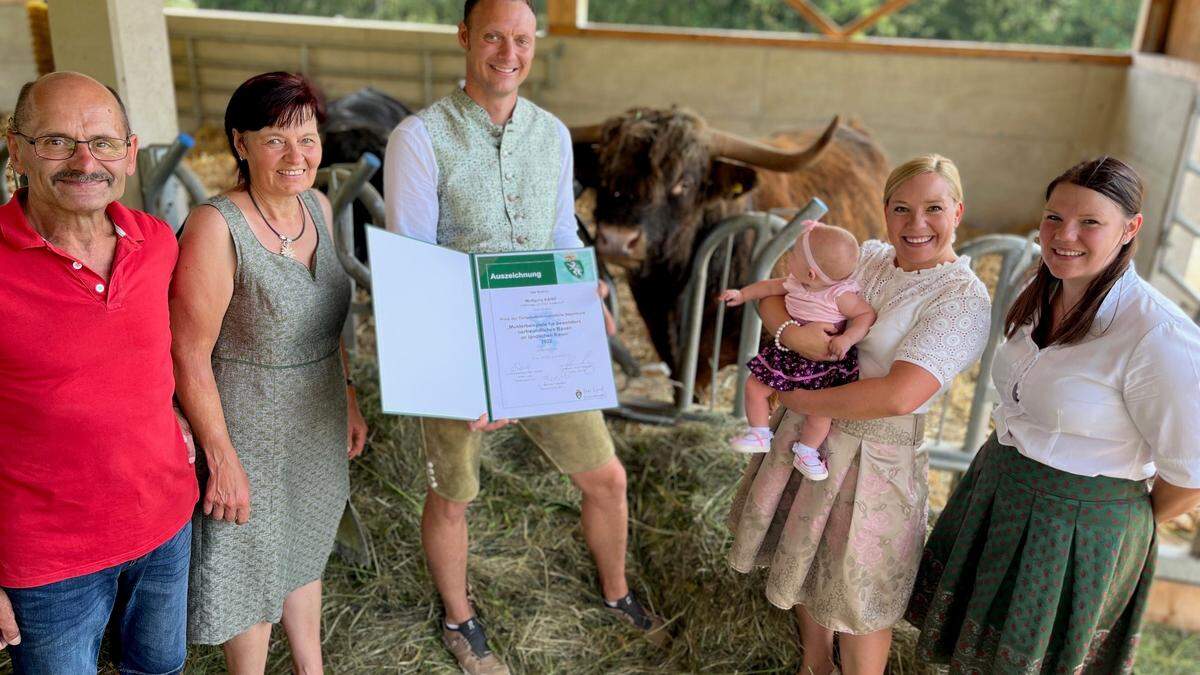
(484, 171)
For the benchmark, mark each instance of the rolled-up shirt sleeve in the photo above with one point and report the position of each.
(410, 180)
(1162, 395)
(566, 231)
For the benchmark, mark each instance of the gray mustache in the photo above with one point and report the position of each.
(68, 174)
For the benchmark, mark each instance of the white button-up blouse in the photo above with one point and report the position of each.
(1124, 402)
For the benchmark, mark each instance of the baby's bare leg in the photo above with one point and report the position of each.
(815, 430)
(758, 406)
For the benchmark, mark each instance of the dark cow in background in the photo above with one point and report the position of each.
(355, 124)
(664, 179)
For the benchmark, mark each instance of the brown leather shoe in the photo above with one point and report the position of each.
(632, 612)
(468, 644)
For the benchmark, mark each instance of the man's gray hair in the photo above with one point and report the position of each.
(24, 108)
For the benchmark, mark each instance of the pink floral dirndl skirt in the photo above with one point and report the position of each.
(846, 548)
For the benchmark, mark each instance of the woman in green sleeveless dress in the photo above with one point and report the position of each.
(257, 305)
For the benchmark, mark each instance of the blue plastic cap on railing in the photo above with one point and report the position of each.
(823, 205)
(186, 140)
(371, 160)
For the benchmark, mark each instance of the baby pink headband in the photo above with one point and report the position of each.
(808, 256)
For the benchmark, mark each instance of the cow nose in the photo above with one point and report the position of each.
(618, 241)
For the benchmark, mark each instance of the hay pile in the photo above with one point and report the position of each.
(533, 579)
(211, 161)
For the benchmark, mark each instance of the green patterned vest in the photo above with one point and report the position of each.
(497, 183)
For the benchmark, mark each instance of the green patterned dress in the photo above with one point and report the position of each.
(1035, 570)
(279, 372)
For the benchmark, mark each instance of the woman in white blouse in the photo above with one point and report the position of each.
(844, 552)
(1043, 558)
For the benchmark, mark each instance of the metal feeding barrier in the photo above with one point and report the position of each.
(1016, 255)
(772, 236)
(169, 188)
(344, 185)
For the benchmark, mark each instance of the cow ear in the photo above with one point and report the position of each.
(587, 165)
(729, 180)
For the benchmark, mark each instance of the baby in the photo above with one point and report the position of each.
(819, 287)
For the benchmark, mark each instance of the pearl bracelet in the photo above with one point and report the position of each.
(779, 333)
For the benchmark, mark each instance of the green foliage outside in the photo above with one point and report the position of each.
(1079, 23)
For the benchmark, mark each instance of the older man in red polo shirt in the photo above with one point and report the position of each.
(96, 490)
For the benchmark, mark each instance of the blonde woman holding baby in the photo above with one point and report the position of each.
(843, 552)
(820, 286)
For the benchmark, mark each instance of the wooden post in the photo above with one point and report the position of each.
(1153, 23)
(566, 16)
(1183, 37)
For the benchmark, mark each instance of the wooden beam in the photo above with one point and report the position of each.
(871, 45)
(1153, 23)
(866, 21)
(817, 18)
(565, 14)
(1183, 37)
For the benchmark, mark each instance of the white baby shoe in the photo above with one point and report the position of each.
(751, 442)
(809, 463)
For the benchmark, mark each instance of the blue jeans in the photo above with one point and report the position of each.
(62, 623)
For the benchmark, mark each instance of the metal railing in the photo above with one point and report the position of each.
(297, 54)
(169, 187)
(345, 184)
(1017, 254)
(772, 236)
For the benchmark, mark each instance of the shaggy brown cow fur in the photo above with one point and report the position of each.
(659, 190)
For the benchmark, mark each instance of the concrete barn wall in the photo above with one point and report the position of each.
(16, 52)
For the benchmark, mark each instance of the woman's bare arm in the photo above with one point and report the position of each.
(904, 389)
(200, 294)
(1171, 501)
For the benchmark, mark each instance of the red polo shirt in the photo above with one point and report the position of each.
(93, 470)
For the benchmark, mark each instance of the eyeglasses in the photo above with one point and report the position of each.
(102, 148)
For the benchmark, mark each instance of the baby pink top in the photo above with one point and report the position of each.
(821, 305)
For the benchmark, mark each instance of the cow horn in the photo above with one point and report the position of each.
(766, 156)
(588, 134)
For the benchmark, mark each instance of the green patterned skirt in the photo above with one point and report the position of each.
(1035, 570)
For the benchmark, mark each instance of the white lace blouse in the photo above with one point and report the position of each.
(1123, 402)
(937, 318)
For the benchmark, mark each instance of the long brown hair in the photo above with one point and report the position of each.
(1120, 183)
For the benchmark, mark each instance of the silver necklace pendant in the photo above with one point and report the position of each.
(286, 249)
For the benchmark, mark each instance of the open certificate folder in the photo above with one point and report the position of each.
(511, 334)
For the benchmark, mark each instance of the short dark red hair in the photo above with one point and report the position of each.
(275, 99)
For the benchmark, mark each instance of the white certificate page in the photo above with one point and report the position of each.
(426, 329)
(543, 333)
